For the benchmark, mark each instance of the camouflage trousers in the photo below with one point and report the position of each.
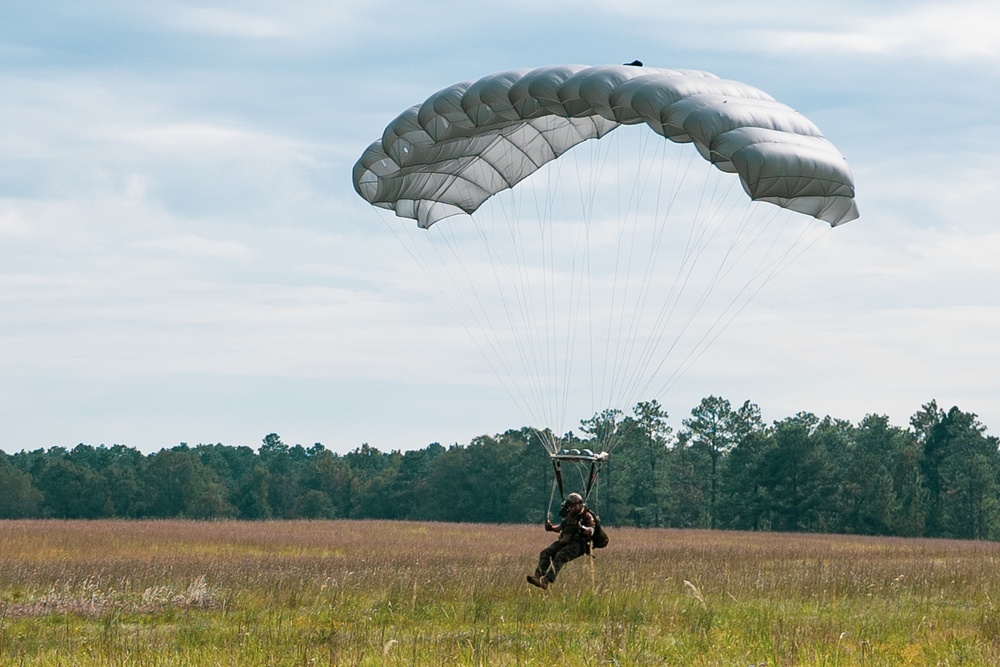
(553, 557)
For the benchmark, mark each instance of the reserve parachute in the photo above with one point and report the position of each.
(602, 273)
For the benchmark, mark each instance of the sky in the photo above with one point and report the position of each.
(183, 257)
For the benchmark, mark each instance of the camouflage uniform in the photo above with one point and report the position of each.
(573, 542)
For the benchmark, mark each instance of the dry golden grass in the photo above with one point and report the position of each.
(390, 593)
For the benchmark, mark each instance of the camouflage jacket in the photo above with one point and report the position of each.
(569, 528)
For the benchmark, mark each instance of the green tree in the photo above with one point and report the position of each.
(688, 471)
(640, 495)
(71, 490)
(180, 485)
(834, 444)
(713, 429)
(603, 429)
(334, 478)
(251, 496)
(529, 477)
(314, 504)
(313, 501)
(19, 499)
(798, 475)
(280, 461)
(932, 437)
(474, 483)
(961, 467)
(876, 477)
(122, 469)
(745, 504)
(372, 474)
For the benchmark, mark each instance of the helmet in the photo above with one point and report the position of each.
(574, 498)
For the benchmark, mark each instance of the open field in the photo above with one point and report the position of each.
(379, 593)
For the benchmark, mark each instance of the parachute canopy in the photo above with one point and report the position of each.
(474, 139)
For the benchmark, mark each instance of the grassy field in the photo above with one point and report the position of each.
(380, 593)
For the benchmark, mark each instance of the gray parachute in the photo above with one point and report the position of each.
(474, 139)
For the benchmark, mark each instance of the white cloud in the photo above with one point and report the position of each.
(189, 244)
(304, 25)
(188, 136)
(960, 30)
(12, 223)
(954, 30)
(225, 22)
(957, 251)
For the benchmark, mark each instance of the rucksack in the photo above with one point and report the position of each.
(600, 538)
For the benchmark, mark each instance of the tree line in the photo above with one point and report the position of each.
(724, 468)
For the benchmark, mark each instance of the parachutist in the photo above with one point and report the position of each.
(576, 531)
(428, 167)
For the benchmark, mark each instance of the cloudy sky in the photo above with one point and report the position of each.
(183, 257)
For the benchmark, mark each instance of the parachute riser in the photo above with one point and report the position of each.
(557, 469)
(595, 468)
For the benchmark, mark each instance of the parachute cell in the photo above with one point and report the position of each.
(474, 139)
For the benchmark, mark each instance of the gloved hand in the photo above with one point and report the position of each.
(587, 531)
(549, 527)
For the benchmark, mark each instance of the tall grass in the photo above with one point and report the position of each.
(388, 593)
